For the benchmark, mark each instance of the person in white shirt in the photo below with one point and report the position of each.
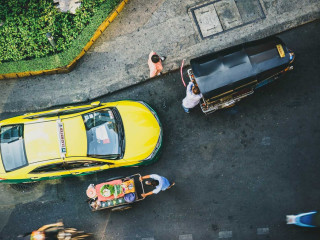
(159, 182)
(192, 98)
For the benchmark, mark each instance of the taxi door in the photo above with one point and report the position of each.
(83, 166)
(53, 169)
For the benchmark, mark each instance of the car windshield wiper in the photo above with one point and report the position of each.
(120, 128)
(14, 140)
(109, 156)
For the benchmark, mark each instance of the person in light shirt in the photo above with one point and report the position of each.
(192, 98)
(155, 64)
(159, 182)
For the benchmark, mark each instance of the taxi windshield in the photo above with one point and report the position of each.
(12, 147)
(104, 134)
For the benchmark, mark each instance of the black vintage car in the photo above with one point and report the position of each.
(227, 76)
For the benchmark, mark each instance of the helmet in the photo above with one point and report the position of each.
(37, 235)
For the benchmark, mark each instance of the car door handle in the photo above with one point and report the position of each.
(76, 173)
(33, 178)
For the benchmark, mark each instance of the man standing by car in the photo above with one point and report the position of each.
(159, 182)
(192, 98)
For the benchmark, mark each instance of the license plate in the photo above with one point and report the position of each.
(280, 51)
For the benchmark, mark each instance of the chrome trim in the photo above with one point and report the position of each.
(212, 108)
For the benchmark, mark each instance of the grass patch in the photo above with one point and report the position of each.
(25, 47)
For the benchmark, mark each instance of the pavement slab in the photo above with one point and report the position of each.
(228, 13)
(250, 10)
(118, 59)
(207, 19)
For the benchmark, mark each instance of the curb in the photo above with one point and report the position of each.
(72, 64)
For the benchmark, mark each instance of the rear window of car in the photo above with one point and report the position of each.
(12, 148)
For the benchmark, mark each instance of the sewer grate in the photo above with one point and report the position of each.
(24, 187)
(216, 17)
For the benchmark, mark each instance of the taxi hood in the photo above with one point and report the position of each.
(141, 128)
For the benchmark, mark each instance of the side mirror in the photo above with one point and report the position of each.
(96, 104)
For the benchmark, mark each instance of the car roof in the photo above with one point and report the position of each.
(42, 141)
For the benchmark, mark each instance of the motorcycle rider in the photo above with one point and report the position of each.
(46, 232)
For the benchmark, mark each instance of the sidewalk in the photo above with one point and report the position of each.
(177, 29)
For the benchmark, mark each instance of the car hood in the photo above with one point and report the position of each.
(141, 128)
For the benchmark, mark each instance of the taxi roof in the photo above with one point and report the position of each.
(42, 140)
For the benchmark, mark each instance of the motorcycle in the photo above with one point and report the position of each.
(309, 219)
(56, 231)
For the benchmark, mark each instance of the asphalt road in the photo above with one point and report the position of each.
(238, 172)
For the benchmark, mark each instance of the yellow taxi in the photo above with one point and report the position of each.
(78, 140)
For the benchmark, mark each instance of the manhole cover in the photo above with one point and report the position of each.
(228, 14)
(208, 20)
(218, 16)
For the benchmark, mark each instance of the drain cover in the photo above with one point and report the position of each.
(208, 20)
(218, 16)
(229, 14)
(24, 187)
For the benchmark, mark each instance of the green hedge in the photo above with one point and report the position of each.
(70, 35)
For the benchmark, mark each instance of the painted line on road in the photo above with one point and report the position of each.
(225, 234)
(185, 237)
(102, 233)
(262, 231)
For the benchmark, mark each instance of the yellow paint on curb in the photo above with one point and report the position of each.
(69, 67)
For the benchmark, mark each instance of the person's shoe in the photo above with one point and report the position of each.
(163, 58)
(172, 184)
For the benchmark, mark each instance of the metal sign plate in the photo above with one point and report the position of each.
(208, 20)
(62, 141)
(215, 17)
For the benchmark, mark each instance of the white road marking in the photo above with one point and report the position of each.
(225, 234)
(266, 141)
(185, 237)
(262, 231)
(103, 231)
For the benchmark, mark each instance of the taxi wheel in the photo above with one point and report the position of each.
(121, 208)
